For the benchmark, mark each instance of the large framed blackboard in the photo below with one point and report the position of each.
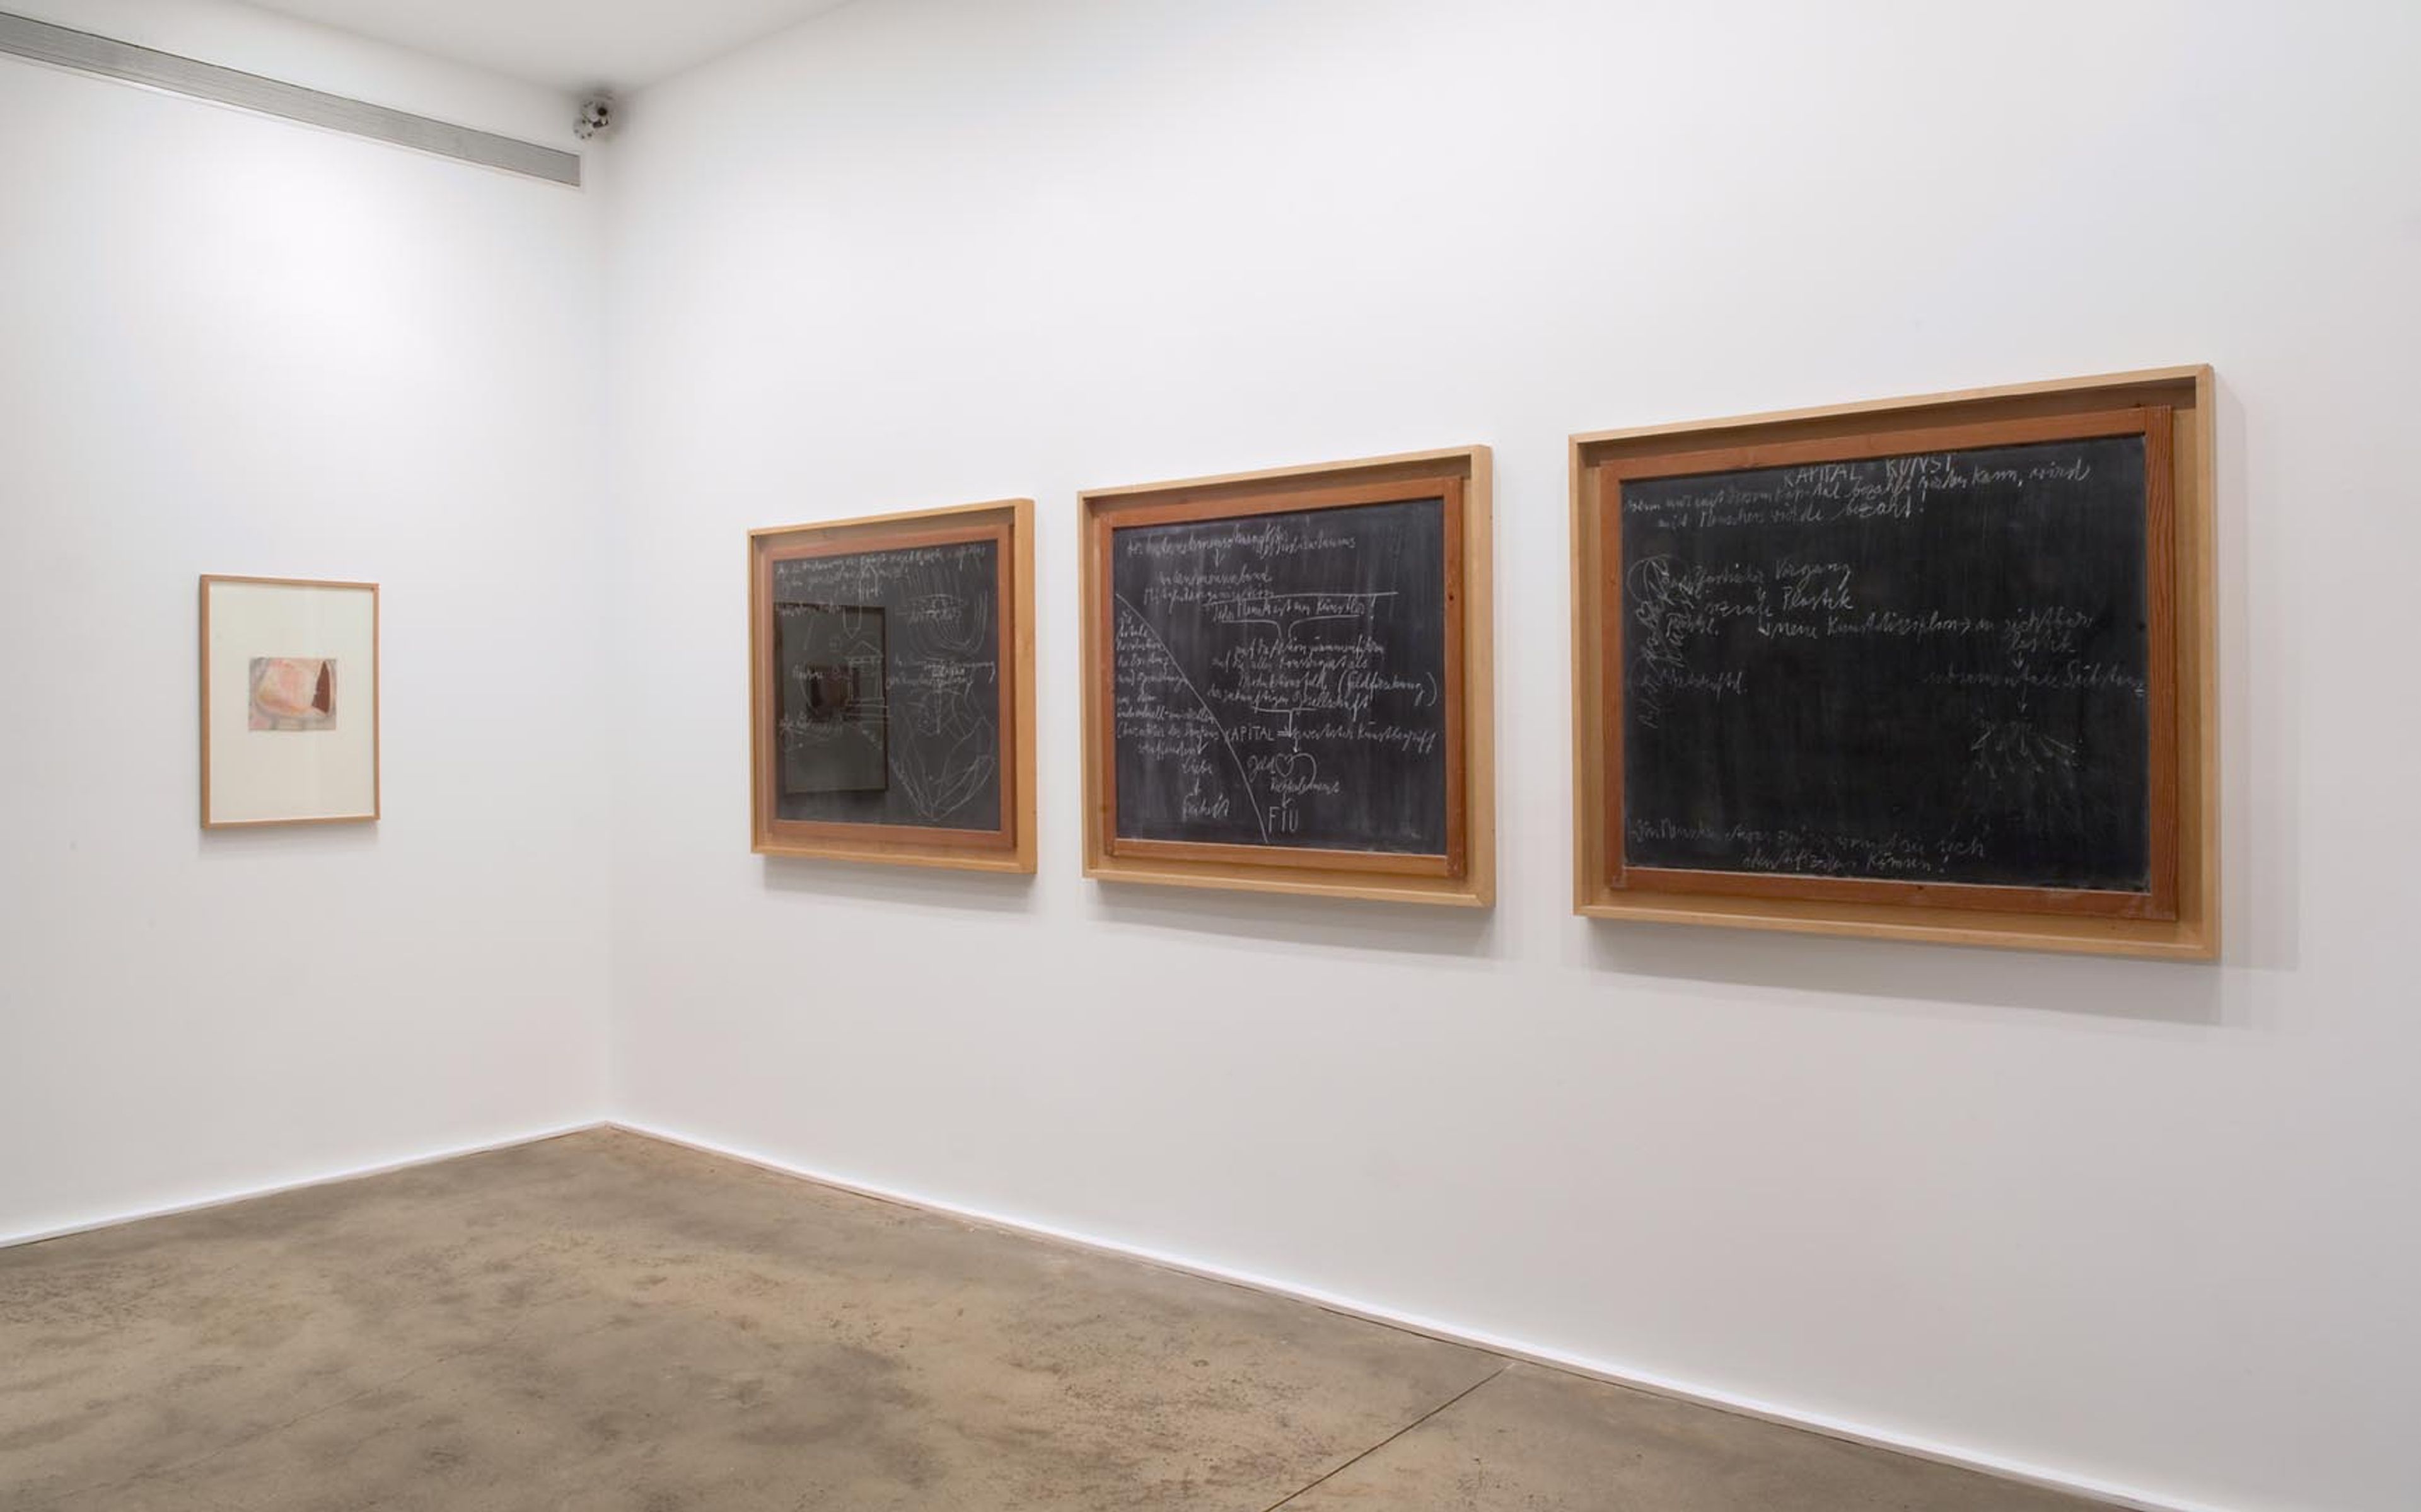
(1931, 669)
(1282, 679)
(892, 687)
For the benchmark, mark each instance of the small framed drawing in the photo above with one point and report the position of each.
(1287, 680)
(289, 702)
(891, 688)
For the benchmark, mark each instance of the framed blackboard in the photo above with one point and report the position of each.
(891, 679)
(1928, 671)
(1281, 676)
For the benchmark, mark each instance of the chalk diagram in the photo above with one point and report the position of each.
(1250, 709)
(1661, 605)
(890, 705)
(2021, 778)
(1145, 664)
(946, 695)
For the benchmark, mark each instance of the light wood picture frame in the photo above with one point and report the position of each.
(1454, 862)
(2175, 915)
(959, 724)
(289, 702)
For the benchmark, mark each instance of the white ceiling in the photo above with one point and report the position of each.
(568, 45)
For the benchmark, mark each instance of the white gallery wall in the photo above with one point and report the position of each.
(230, 344)
(2135, 1225)
(2128, 1225)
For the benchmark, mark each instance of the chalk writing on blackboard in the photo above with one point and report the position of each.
(888, 686)
(1280, 679)
(1922, 668)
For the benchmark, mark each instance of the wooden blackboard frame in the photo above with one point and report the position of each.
(2176, 917)
(1008, 847)
(1464, 873)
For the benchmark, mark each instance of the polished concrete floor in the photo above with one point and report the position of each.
(606, 1323)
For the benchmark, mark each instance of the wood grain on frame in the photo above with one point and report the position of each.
(1464, 872)
(2175, 917)
(1011, 845)
(378, 791)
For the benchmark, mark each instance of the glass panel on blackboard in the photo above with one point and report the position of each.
(1280, 679)
(835, 734)
(888, 686)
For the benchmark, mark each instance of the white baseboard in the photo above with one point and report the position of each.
(1512, 1348)
(322, 1179)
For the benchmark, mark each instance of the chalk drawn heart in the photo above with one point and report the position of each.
(1292, 773)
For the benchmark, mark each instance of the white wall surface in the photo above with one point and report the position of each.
(229, 344)
(2136, 1224)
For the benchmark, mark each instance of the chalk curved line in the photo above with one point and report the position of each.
(1250, 797)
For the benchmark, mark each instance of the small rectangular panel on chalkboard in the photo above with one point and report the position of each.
(891, 658)
(1280, 679)
(1929, 670)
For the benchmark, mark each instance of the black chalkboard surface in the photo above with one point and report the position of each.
(888, 686)
(1281, 679)
(1933, 668)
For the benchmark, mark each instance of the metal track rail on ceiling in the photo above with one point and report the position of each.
(66, 48)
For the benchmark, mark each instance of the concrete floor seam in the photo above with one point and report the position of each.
(1299, 1492)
